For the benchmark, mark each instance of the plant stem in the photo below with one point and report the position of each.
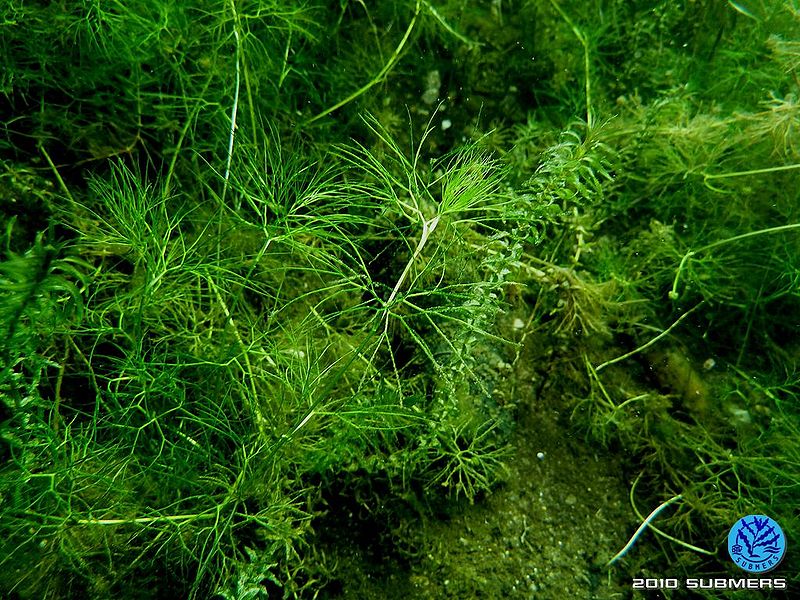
(378, 78)
(586, 62)
(651, 342)
(235, 107)
(673, 294)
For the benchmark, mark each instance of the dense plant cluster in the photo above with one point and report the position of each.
(257, 258)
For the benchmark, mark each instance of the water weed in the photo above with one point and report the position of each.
(273, 273)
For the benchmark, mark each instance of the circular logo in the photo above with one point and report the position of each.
(756, 543)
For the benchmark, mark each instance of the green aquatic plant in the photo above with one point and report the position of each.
(228, 352)
(264, 268)
(41, 292)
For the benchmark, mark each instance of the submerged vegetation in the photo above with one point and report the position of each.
(275, 272)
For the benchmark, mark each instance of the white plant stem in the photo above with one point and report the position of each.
(235, 108)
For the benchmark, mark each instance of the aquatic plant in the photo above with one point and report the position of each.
(260, 261)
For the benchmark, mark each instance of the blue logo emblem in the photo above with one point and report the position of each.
(756, 543)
